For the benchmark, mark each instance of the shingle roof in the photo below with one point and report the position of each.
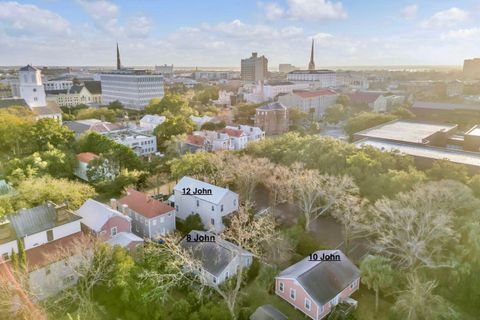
(144, 204)
(323, 280)
(76, 88)
(272, 106)
(366, 97)
(217, 192)
(95, 214)
(267, 312)
(232, 132)
(37, 219)
(214, 256)
(195, 140)
(95, 87)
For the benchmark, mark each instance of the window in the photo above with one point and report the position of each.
(176, 208)
(213, 208)
(162, 219)
(50, 235)
(214, 280)
(280, 286)
(221, 208)
(212, 221)
(293, 294)
(48, 271)
(234, 202)
(198, 203)
(68, 280)
(154, 222)
(113, 231)
(5, 256)
(227, 275)
(307, 304)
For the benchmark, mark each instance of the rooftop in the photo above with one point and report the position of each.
(195, 140)
(457, 156)
(314, 93)
(95, 214)
(475, 131)
(364, 96)
(267, 312)
(445, 106)
(272, 106)
(232, 132)
(29, 68)
(37, 219)
(406, 131)
(323, 280)
(86, 157)
(124, 239)
(320, 71)
(144, 204)
(217, 192)
(214, 256)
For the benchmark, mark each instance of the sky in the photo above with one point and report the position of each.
(218, 33)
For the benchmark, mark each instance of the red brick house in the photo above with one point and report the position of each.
(316, 286)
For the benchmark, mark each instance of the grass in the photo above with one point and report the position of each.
(366, 306)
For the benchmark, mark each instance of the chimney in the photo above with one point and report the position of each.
(125, 209)
(62, 213)
(5, 230)
(113, 203)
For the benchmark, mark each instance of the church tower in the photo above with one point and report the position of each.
(119, 65)
(311, 64)
(31, 86)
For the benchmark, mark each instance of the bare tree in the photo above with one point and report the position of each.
(279, 184)
(15, 300)
(246, 232)
(316, 194)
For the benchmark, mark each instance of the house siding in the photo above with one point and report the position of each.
(148, 229)
(122, 224)
(6, 248)
(301, 294)
(186, 205)
(37, 239)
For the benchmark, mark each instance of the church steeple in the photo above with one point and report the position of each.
(311, 64)
(119, 65)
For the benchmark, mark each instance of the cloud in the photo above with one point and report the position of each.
(462, 34)
(446, 18)
(103, 13)
(312, 10)
(410, 12)
(138, 26)
(29, 19)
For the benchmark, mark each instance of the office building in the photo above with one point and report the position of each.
(254, 68)
(132, 88)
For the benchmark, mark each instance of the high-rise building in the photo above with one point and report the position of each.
(311, 64)
(254, 68)
(471, 68)
(132, 88)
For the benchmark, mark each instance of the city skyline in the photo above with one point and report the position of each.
(346, 33)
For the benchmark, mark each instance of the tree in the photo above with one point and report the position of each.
(365, 120)
(15, 126)
(173, 126)
(47, 131)
(103, 114)
(377, 274)
(279, 184)
(445, 169)
(297, 117)
(251, 234)
(36, 191)
(418, 301)
(403, 113)
(335, 113)
(171, 104)
(197, 165)
(244, 113)
(316, 194)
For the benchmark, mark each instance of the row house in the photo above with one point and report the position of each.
(108, 224)
(150, 217)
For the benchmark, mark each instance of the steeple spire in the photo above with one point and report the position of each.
(311, 64)
(119, 65)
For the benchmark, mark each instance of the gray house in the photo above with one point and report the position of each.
(219, 258)
(151, 218)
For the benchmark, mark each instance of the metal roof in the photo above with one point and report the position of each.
(217, 192)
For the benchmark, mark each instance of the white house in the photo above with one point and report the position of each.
(238, 139)
(253, 133)
(219, 259)
(140, 142)
(44, 230)
(215, 141)
(200, 121)
(212, 203)
(150, 121)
